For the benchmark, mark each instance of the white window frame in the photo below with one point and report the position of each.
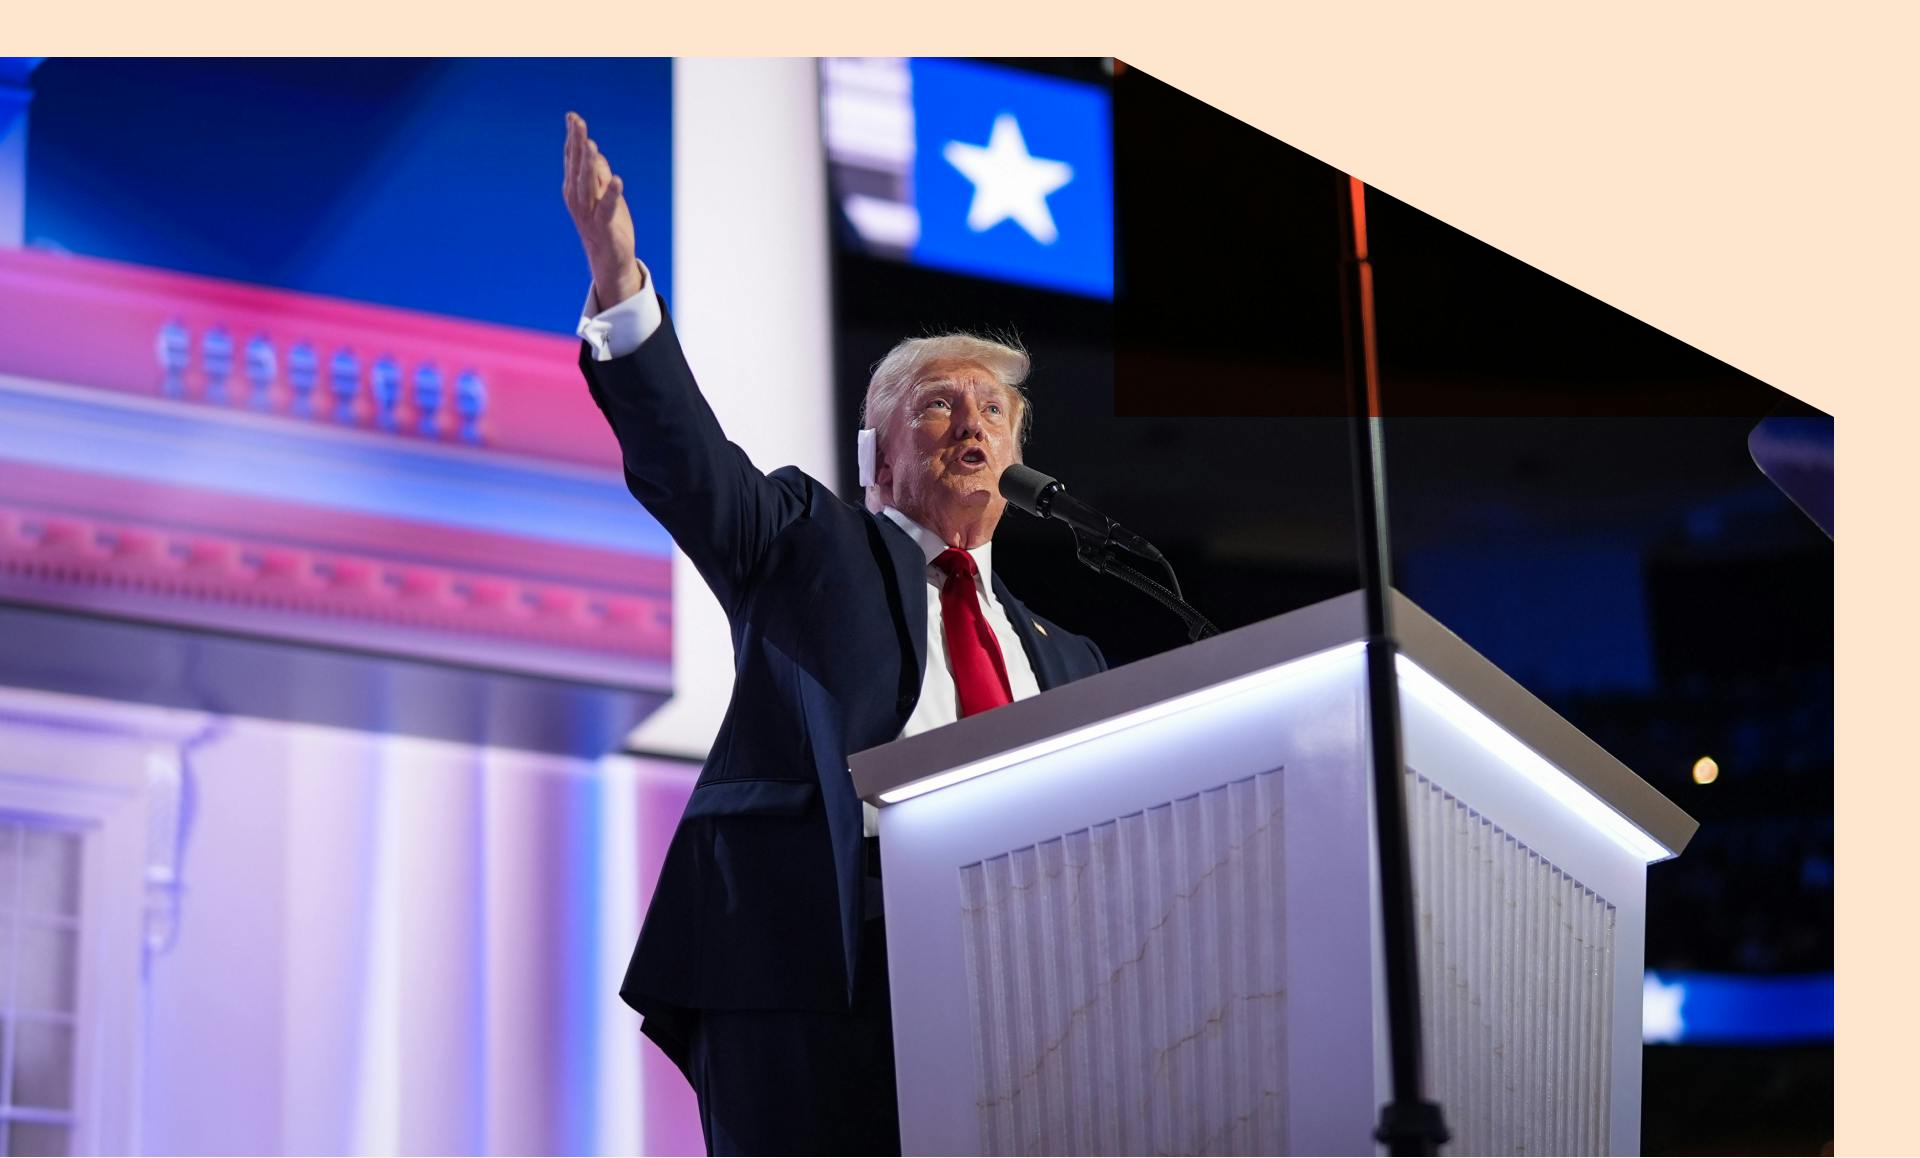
(86, 763)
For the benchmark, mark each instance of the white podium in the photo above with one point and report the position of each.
(1138, 914)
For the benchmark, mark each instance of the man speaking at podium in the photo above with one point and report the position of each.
(761, 966)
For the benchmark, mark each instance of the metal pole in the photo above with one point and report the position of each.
(1409, 1123)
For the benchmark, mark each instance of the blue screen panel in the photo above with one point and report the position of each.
(1013, 176)
(1738, 1009)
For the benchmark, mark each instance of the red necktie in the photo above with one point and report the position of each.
(979, 670)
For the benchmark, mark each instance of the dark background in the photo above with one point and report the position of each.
(1570, 492)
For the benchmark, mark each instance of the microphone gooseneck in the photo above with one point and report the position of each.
(1096, 537)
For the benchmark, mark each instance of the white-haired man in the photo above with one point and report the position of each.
(761, 966)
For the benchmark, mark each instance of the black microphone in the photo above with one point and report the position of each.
(1045, 496)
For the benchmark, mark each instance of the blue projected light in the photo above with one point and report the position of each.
(1013, 176)
(1737, 1009)
(431, 185)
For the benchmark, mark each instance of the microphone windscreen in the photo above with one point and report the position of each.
(1022, 486)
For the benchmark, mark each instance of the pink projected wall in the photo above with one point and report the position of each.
(211, 454)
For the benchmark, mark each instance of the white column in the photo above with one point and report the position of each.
(750, 303)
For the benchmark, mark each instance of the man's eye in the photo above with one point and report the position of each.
(940, 402)
(993, 408)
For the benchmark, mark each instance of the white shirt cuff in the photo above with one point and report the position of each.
(619, 330)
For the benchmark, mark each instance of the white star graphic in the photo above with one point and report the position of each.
(1008, 181)
(1661, 1019)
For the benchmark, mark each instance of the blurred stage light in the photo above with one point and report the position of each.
(1705, 770)
(1660, 1020)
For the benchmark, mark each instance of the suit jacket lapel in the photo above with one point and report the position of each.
(909, 568)
(1048, 672)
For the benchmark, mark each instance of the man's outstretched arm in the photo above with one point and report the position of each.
(719, 508)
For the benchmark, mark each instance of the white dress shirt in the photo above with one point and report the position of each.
(939, 702)
(939, 695)
(619, 331)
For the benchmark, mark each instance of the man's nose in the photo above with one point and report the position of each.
(966, 420)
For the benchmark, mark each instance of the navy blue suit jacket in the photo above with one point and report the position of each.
(759, 901)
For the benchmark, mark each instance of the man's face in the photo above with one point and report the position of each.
(945, 449)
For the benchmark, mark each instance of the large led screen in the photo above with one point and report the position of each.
(286, 355)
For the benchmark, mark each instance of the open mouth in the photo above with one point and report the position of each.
(974, 457)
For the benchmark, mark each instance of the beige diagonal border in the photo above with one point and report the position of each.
(1739, 175)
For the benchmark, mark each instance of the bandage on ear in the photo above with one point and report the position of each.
(866, 450)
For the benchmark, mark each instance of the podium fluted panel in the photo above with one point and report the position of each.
(1516, 971)
(1127, 984)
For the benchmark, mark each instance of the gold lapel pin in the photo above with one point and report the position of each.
(1038, 628)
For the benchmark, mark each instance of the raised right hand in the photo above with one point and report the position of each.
(595, 200)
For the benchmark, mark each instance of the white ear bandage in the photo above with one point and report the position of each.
(865, 450)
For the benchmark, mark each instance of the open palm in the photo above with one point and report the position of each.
(596, 200)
